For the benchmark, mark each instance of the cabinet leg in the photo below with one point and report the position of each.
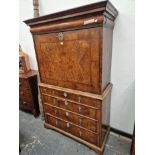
(99, 153)
(35, 114)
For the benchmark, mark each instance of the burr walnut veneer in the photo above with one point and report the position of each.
(73, 50)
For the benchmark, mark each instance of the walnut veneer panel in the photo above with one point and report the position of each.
(75, 64)
(71, 128)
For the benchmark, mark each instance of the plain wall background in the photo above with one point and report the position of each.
(122, 73)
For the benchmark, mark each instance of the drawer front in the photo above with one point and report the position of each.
(23, 84)
(77, 108)
(25, 104)
(70, 96)
(25, 94)
(71, 117)
(74, 130)
(63, 125)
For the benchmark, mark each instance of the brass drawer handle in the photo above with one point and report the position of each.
(24, 102)
(68, 125)
(56, 123)
(67, 113)
(79, 99)
(54, 101)
(21, 93)
(80, 121)
(80, 108)
(65, 94)
(56, 111)
(66, 102)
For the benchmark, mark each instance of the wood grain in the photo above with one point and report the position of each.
(74, 50)
(77, 67)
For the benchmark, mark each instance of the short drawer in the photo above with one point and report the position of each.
(71, 106)
(89, 136)
(25, 104)
(72, 117)
(23, 84)
(72, 129)
(70, 96)
(25, 94)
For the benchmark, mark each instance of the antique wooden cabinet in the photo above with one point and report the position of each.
(28, 92)
(73, 50)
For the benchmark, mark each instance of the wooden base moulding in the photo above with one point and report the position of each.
(98, 150)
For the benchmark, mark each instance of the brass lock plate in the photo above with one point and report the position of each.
(60, 36)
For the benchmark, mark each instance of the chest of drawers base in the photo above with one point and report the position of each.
(81, 116)
(28, 92)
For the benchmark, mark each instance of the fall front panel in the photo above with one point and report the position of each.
(71, 60)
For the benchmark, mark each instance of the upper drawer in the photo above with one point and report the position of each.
(26, 94)
(70, 59)
(48, 93)
(23, 84)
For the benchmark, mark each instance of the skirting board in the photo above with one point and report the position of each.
(122, 133)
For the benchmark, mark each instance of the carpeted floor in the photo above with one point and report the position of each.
(37, 140)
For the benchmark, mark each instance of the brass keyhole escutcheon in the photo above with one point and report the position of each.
(61, 36)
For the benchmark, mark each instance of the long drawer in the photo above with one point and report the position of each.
(72, 129)
(25, 104)
(23, 84)
(25, 94)
(70, 96)
(71, 106)
(89, 124)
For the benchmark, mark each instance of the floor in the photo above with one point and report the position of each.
(36, 140)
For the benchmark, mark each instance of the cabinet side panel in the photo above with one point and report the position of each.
(34, 89)
(106, 110)
(106, 56)
(36, 54)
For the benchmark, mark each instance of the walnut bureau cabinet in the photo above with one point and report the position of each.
(73, 50)
(28, 92)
